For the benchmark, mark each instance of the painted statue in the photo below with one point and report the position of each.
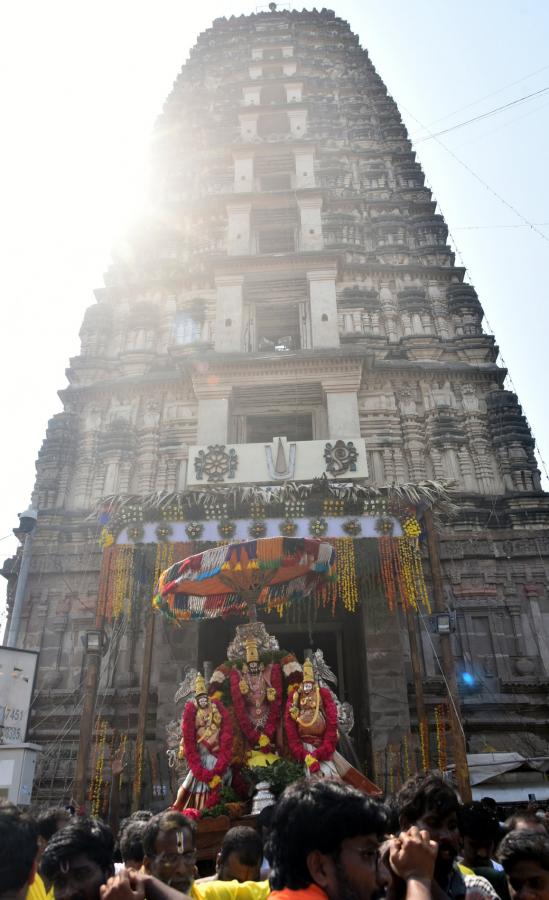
(206, 746)
(256, 693)
(311, 725)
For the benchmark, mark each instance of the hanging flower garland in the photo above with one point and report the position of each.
(424, 744)
(255, 737)
(326, 748)
(212, 777)
(96, 792)
(288, 527)
(440, 730)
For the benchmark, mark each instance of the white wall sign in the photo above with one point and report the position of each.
(17, 671)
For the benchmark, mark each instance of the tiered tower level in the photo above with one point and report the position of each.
(292, 277)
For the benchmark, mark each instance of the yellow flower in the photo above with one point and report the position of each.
(217, 695)
(310, 760)
(215, 781)
(264, 741)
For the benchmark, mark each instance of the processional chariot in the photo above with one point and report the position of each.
(261, 706)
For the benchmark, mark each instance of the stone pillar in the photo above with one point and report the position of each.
(252, 95)
(228, 328)
(213, 420)
(322, 294)
(298, 122)
(343, 418)
(304, 168)
(243, 173)
(311, 223)
(293, 91)
(248, 125)
(388, 306)
(238, 231)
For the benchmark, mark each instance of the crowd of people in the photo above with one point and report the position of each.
(323, 840)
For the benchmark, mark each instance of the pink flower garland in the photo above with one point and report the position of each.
(326, 749)
(255, 737)
(211, 777)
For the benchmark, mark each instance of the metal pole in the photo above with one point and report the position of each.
(93, 661)
(448, 666)
(20, 591)
(143, 710)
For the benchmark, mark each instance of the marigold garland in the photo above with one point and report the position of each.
(212, 777)
(255, 737)
(440, 730)
(405, 757)
(97, 785)
(424, 744)
(346, 567)
(326, 749)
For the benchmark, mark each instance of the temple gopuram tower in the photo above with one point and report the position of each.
(287, 316)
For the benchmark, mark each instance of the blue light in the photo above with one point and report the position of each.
(468, 678)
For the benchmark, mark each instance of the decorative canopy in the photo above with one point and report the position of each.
(269, 572)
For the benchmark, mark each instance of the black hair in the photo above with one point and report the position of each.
(489, 802)
(478, 822)
(130, 841)
(169, 820)
(88, 836)
(18, 847)
(51, 820)
(425, 792)
(244, 841)
(524, 846)
(316, 815)
(528, 817)
(141, 815)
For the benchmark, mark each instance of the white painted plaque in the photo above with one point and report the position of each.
(17, 671)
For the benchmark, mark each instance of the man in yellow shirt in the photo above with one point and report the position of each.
(170, 855)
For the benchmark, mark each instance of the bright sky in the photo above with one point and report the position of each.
(81, 84)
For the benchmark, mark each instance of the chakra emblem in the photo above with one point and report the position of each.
(340, 457)
(216, 463)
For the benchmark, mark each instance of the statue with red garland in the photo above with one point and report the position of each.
(207, 746)
(262, 709)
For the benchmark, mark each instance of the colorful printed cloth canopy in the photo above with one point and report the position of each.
(269, 572)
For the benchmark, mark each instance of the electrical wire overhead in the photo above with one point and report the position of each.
(486, 115)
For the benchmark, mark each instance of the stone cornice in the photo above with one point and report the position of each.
(300, 262)
(335, 373)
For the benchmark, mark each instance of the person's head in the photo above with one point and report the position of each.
(48, 822)
(429, 802)
(130, 844)
(479, 829)
(169, 847)
(79, 859)
(525, 821)
(325, 832)
(140, 815)
(18, 849)
(489, 803)
(525, 857)
(240, 855)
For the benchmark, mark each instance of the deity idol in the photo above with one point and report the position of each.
(256, 693)
(206, 746)
(311, 725)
